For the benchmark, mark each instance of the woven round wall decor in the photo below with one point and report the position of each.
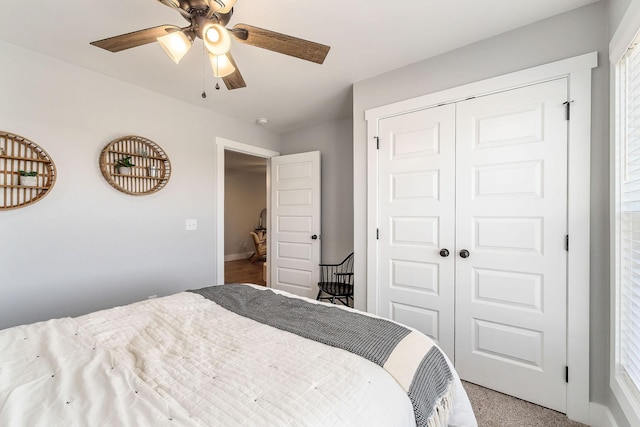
(135, 165)
(27, 173)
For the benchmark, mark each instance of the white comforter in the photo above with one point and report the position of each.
(136, 366)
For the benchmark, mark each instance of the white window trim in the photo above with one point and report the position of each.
(621, 40)
(578, 70)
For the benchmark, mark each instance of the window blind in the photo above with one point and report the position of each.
(628, 221)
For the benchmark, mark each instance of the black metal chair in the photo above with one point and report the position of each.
(336, 282)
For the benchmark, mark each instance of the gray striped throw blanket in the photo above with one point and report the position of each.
(409, 356)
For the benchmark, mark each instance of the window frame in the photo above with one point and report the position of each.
(626, 394)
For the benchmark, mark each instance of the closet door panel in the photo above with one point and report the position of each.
(511, 216)
(416, 211)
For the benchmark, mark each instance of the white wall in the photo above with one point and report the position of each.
(87, 246)
(334, 140)
(245, 195)
(577, 32)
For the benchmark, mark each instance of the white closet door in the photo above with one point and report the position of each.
(416, 211)
(511, 216)
(294, 234)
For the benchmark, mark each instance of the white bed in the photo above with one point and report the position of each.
(184, 360)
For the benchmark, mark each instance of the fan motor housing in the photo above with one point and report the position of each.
(200, 20)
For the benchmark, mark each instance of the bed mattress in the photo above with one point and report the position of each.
(184, 360)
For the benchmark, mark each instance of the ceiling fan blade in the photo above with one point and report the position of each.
(173, 4)
(234, 80)
(281, 43)
(134, 39)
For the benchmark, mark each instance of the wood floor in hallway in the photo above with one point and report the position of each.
(243, 271)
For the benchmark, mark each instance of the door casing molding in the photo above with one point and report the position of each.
(223, 144)
(578, 71)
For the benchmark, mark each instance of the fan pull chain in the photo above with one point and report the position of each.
(204, 94)
(217, 74)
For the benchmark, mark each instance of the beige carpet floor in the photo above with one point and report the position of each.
(495, 409)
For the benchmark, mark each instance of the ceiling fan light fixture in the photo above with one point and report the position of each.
(216, 39)
(175, 45)
(220, 6)
(228, 5)
(221, 65)
(208, 19)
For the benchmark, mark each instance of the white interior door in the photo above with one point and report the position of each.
(294, 233)
(511, 217)
(417, 220)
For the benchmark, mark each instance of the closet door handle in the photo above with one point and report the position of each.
(314, 237)
(464, 253)
(444, 253)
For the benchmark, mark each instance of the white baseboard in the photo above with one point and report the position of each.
(233, 257)
(600, 416)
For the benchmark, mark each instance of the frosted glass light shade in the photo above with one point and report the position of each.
(175, 44)
(216, 39)
(221, 65)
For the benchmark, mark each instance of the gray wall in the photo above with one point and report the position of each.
(616, 9)
(87, 246)
(334, 140)
(570, 34)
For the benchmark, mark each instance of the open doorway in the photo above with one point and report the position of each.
(224, 146)
(245, 227)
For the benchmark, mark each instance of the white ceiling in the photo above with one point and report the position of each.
(367, 38)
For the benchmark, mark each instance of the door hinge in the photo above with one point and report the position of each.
(567, 105)
(566, 374)
(377, 138)
(377, 234)
(566, 243)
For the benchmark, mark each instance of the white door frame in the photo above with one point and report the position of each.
(223, 144)
(578, 71)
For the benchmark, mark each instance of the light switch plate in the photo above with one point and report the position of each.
(192, 224)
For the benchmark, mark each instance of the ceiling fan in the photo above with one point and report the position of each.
(207, 20)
